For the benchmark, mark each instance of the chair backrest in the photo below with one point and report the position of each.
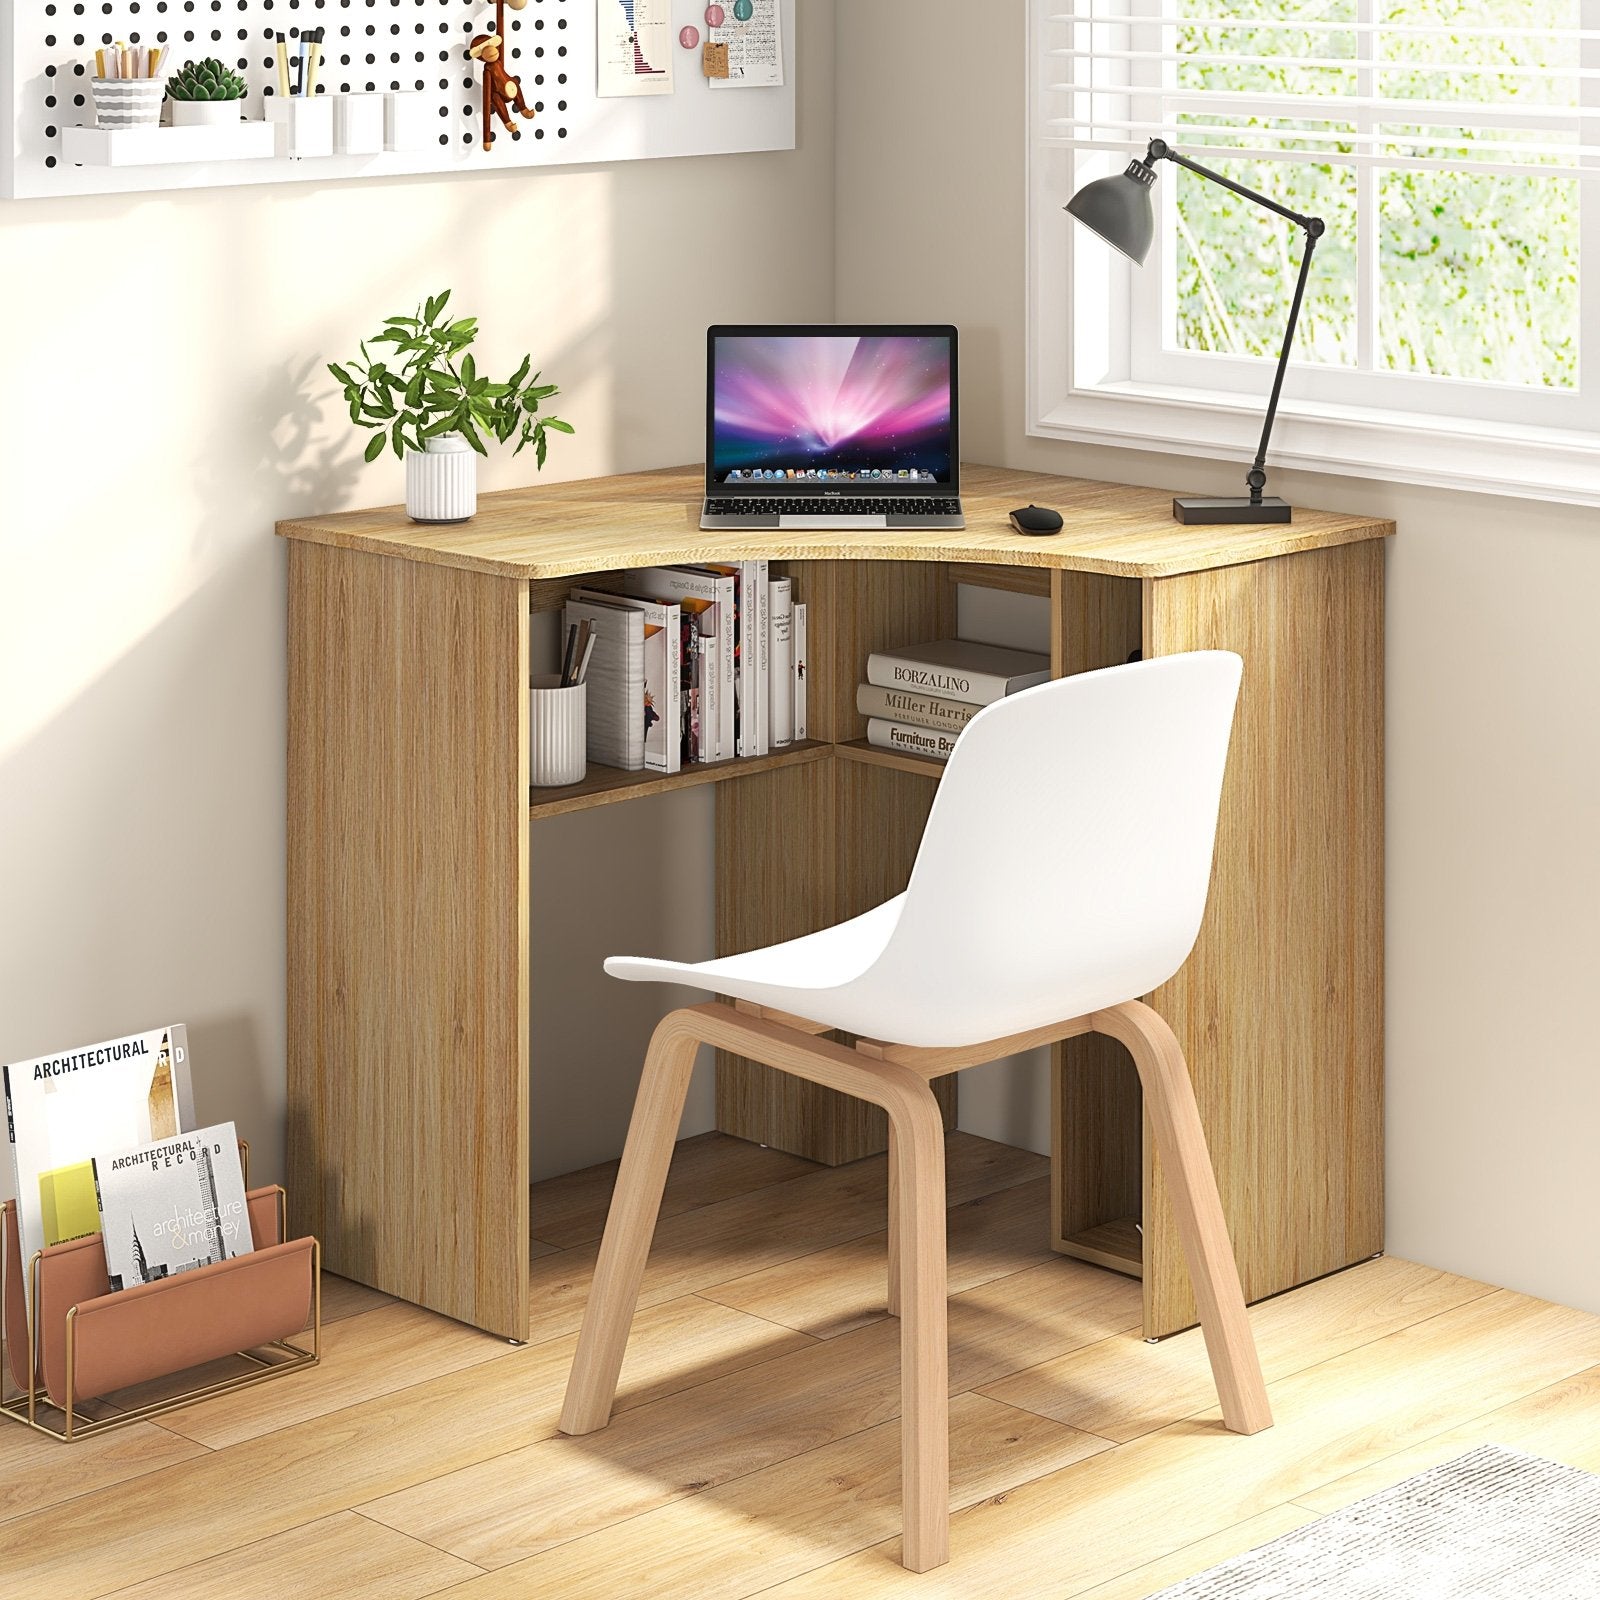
(1066, 860)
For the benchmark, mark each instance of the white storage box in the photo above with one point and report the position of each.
(357, 123)
(303, 124)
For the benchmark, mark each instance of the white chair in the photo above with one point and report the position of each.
(1062, 873)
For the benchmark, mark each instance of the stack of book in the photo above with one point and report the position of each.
(919, 697)
(692, 663)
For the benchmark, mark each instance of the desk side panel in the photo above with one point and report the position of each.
(1096, 1104)
(408, 928)
(1280, 1008)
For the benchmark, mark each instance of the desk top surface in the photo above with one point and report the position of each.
(557, 530)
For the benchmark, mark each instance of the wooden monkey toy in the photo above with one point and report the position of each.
(502, 93)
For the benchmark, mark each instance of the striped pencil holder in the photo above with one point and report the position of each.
(558, 738)
(128, 102)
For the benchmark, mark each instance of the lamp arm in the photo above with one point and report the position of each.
(1160, 150)
(1256, 478)
(1314, 227)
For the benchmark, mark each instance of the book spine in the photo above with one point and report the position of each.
(920, 710)
(914, 741)
(763, 657)
(675, 695)
(727, 687)
(903, 672)
(782, 664)
(800, 648)
(744, 665)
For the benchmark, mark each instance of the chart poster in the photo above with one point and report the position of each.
(633, 40)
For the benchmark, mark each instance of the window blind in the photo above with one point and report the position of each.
(1391, 84)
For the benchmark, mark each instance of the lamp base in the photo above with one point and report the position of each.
(1230, 508)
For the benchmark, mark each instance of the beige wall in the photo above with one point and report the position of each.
(1493, 686)
(141, 592)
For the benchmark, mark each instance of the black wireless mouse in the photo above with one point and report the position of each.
(1036, 519)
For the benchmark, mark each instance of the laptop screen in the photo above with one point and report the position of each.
(825, 407)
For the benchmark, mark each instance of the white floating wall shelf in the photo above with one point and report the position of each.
(153, 147)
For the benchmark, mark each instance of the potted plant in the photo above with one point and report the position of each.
(424, 397)
(205, 94)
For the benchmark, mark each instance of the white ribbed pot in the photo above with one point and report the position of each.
(206, 113)
(442, 480)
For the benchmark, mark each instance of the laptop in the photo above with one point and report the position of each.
(831, 427)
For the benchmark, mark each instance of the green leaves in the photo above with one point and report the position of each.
(205, 80)
(427, 383)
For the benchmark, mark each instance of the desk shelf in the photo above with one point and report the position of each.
(899, 760)
(601, 786)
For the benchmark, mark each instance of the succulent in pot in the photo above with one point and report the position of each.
(206, 94)
(423, 396)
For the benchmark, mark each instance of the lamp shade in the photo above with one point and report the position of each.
(1119, 210)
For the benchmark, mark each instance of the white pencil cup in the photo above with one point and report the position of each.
(357, 124)
(557, 732)
(304, 124)
(128, 102)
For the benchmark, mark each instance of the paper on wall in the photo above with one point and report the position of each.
(633, 47)
(755, 47)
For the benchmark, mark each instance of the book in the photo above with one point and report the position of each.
(761, 620)
(663, 682)
(614, 705)
(781, 661)
(62, 1108)
(743, 655)
(957, 669)
(800, 646)
(707, 598)
(913, 706)
(172, 1206)
(935, 742)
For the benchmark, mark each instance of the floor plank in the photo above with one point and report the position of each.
(1122, 1390)
(1561, 1422)
(690, 1442)
(832, 1291)
(134, 1531)
(377, 1353)
(36, 1472)
(342, 1297)
(706, 1168)
(1145, 1580)
(809, 1509)
(537, 1248)
(372, 1563)
(733, 1238)
(1061, 1534)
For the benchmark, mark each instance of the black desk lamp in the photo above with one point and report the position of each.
(1119, 210)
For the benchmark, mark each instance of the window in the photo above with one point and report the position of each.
(1449, 332)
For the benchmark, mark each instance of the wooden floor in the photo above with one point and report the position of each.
(754, 1450)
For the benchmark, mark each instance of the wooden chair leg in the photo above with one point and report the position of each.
(1181, 1145)
(917, 1140)
(630, 1224)
(893, 1293)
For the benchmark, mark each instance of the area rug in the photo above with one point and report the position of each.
(1491, 1525)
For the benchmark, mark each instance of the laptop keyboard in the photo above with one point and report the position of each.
(798, 506)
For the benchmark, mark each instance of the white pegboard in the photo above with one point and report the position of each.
(373, 45)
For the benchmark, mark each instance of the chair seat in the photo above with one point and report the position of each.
(813, 976)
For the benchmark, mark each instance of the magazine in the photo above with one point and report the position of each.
(172, 1206)
(62, 1108)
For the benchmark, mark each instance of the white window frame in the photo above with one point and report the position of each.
(1097, 372)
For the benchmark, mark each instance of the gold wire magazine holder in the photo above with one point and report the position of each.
(74, 1341)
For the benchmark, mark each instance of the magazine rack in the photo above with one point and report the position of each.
(83, 1341)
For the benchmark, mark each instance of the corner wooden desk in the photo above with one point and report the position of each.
(408, 893)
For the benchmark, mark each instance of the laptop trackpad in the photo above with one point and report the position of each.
(843, 520)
